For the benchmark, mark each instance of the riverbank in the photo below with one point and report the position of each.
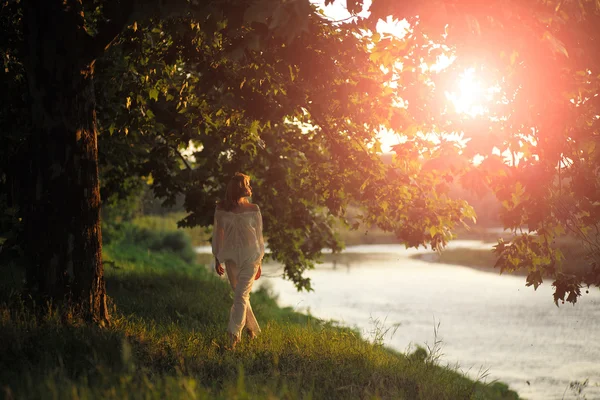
(480, 259)
(167, 341)
(484, 259)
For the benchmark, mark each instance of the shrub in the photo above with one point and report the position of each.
(177, 242)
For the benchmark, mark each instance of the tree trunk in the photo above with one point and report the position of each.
(63, 212)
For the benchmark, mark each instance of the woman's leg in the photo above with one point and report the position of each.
(251, 322)
(241, 313)
(232, 274)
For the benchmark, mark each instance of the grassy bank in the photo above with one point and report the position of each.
(485, 259)
(377, 236)
(167, 341)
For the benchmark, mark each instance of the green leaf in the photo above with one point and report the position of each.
(254, 127)
(153, 94)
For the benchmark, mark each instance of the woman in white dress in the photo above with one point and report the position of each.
(238, 243)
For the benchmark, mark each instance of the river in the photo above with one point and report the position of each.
(486, 323)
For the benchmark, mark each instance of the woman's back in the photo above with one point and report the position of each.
(238, 233)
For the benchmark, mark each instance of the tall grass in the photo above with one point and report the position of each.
(167, 340)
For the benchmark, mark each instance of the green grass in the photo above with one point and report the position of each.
(167, 340)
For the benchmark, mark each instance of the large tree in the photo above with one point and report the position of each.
(52, 47)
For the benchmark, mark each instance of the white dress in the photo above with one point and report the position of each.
(238, 243)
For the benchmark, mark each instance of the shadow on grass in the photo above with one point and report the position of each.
(169, 298)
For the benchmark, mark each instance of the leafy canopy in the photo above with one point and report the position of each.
(301, 116)
(278, 91)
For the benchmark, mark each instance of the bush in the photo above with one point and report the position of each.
(177, 242)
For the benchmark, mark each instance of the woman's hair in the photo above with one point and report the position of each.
(237, 188)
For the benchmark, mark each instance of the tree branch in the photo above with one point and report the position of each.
(182, 158)
(176, 150)
(335, 21)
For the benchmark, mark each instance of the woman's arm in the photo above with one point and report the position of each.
(217, 242)
(261, 241)
(218, 267)
(259, 233)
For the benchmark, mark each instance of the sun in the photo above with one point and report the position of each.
(470, 95)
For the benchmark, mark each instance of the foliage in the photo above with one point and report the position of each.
(13, 123)
(176, 242)
(265, 110)
(542, 185)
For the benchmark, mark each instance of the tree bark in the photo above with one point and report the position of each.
(63, 204)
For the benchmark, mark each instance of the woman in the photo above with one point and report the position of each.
(238, 243)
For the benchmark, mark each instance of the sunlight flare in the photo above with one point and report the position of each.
(470, 94)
